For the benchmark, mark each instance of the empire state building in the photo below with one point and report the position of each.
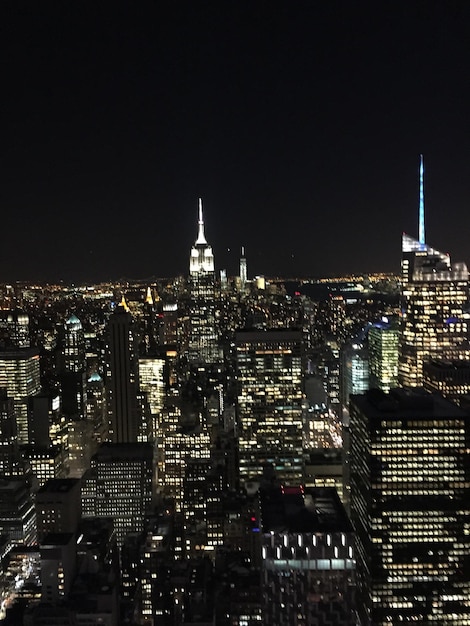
(203, 340)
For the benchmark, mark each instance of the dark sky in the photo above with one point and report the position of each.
(299, 123)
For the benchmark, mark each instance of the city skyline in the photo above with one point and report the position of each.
(300, 127)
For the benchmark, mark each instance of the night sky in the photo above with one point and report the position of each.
(299, 123)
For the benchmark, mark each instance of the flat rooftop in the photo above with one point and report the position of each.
(406, 404)
(302, 510)
(124, 452)
(58, 485)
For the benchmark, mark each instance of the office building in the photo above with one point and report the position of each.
(96, 408)
(168, 331)
(17, 515)
(410, 506)
(11, 462)
(125, 417)
(152, 382)
(45, 463)
(119, 485)
(94, 593)
(434, 320)
(382, 339)
(58, 507)
(203, 336)
(58, 560)
(308, 566)
(449, 378)
(269, 368)
(14, 329)
(179, 443)
(156, 557)
(148, 328)
(73, 370)
(47, 423)
(354, 368)
(73, 345)
(20, 375)
(434, 298)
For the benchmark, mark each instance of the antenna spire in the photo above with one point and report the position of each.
(421, 231)
(201, 238)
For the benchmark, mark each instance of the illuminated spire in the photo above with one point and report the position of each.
(123, 303)
(421, 232)
(149, 299)
(201, 239)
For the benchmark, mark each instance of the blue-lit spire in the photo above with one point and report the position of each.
(421, 233)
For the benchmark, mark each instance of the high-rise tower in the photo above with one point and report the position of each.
(410, 507)
(382, 338)
(269, 377)
(203, 340)
(20, 375)
(124, 422)
(433, 301)
(73, 379)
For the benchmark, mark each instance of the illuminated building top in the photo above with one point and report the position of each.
(148, 298)
(202, 258)
(201, 238)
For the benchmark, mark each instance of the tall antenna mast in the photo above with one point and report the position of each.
(421, 231)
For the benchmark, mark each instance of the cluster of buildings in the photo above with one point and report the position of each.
(216, 450)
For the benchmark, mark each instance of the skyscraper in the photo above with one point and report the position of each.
(11, 463)
(434, 322)
(73, 378)
(119, 485)
(307, 568)
(74, 345)
(382, 339)
(269, 375)
(203, 339)
(14, 329)
(354, 368)
(449, 378)
(152, 382)
(122, 383)
(410, 506)
(20, 375)
(434, 296)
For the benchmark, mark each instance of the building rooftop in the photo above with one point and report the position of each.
(267, 336)
(95, 378)
(446, 365)
(302, 510)
(57, 539)
(405, 403)
(124, 451)
(59, 485)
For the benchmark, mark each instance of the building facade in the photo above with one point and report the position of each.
(410, 506)
(203, 337)
(434, 321)
(20, 375)
(382, 340)
(269, 369)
